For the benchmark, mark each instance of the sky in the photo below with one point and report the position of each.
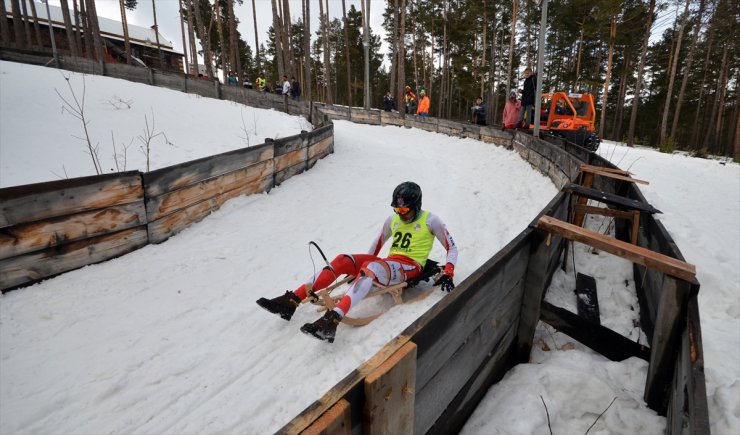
(168, 339)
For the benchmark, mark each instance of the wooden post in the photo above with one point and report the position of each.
(390, 393)
(337, 420)
(535, 283)
(669, 322)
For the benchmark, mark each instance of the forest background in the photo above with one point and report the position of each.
(664, 73)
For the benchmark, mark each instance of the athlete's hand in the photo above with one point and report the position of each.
(445, 281)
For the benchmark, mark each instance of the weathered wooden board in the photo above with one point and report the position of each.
(25, 238)
(289, 144)
(38, 265)
(599, 338)
(337, 420)
(192, 172)
(280, 176)
(459, 409)
(163, 228)
(323, 147)
(250, 178)
(636, 254)
(587, 298)
(389, 394)
(33, 202)
(428, 124)
(292, 158)
(390, 118)
(366, 117)
(610, 198)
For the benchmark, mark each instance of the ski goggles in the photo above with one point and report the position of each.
(401, 210)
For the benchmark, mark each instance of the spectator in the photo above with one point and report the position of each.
(528, 95)
(231, 79)
(266, 87)
(562, 109)
(260, 82)
(409, 99)
(388, 103)
(247, 83)
(423, 104)
(286, 86)
(295, 89)
(511, 111)
(479, 112)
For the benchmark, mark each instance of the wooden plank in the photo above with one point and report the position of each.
(38, 265)
(170, 202)
(24, 238)
(292, 158)
(313, 411)
(599, 338)
(322, 147)
(587, 300)
(611, 174)
(609, 198)
(192, 172)
(465, 402)
(163, 228)
(289, 144)
(33, 202)
(636, 254)
(389, 394)
(603, 211)
(587, 168)
(337, 420)
(666, 342)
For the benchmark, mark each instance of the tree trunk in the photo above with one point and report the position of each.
(366, 46)
(346, 56)
(712, 130)
(736, 130)
(324, 18)
(576, 86)
(695, 139)
(640, 71)
(20, 37)
(286, 35)
(36, 27)
(126, 38)
(619, 113)
(227, 60)
(687, 69)
(26, 25)
(182, 31)
(78, 24)
(277, 32)
(413, 43)
(512, 40)
(607, 80)
(236, 61)
(92, 15)
(443, 82)
(483, 51)
(256, 37)
(205, 40)
(394, 58)
(492, 79)
(672, 74)
(84, 27)
(4, 29)
(193, 46)
(307, 81)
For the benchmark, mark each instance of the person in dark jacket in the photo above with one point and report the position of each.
(528, 95)
(479, 112)
(388, 102)
(295, 88)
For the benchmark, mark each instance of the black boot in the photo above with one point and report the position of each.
(284, 305)
(324, 328)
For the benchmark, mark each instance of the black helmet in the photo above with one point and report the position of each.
(407, 194)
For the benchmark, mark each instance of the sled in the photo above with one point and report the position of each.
(325, 301)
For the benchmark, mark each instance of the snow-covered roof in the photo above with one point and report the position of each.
(109, 28)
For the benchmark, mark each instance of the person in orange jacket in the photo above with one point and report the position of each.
(423, 110)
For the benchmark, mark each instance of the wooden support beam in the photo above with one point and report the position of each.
(586, 167)
(389, 394)
(634, 216)
(617, 175)
(337, 420)
(599, 338)
(609, 198)
(636, 254)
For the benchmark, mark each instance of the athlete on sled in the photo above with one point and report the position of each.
(413, 231)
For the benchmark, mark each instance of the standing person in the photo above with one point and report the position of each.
(528, 95)
(388, 103)
(295, 88)
(423, 104)
(286, 86)
(479, 112)
(511, 112)
(260, 82)
(413, 231)
(409, 99)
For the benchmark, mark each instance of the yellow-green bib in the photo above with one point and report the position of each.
(413, 240)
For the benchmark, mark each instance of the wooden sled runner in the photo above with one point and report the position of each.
(326, 301)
